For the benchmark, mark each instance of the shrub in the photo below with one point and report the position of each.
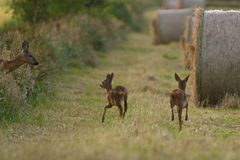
(36, 11)
(17, 87)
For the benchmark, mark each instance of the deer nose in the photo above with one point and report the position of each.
(36, 63)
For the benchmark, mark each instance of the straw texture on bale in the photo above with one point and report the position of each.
(168, 25)
(186, 41)
(216, 61)
(177, 4)
(155, 39)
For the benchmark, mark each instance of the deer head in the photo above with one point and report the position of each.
(26, 55)
(107, 83)
(181, 83)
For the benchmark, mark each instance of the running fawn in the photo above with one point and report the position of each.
(25, 57)
(115, 96)
(178, 98)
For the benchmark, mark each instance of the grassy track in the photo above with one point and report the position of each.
(68, 126)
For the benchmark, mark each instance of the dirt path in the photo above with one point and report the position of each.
(69, 125)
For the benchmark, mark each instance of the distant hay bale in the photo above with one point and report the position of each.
(168, 25)
(177, 4)
(191, 3)
(216, 60)
(186, 41)
(171, 4)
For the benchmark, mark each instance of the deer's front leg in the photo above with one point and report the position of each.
(186, 116)
(172, 105)
(105, 109)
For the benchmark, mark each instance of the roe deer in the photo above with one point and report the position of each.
(178, 98)
(25, 57)
(114, 96)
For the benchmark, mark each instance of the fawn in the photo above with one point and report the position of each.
(178, 98)
(25, 57)
(114, 96)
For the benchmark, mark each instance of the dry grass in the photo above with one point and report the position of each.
(69, 125)
(230, 101)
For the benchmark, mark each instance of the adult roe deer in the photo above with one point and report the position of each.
(25, 57)
(178, 98)
(114, 96)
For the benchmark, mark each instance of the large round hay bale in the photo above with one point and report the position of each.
(168, 25)
(171, 4)
(191, 3)
(216, 61)
(177, 4)
(186, 41)
(223, 3)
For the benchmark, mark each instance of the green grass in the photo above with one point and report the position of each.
(4, 13)
(68, 125)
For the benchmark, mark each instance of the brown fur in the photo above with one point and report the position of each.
(178, 98)
(115, 96)
(24, 57)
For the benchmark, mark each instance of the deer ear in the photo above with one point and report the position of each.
(112, 75)
(108, 75)
(177, 77)
(25, 45)
(186, 79)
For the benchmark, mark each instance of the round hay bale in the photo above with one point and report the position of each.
(171, 4)
(216, 60)
(177, 4)
(168, 25)
(191, 3)
(155, 39)
(186, 41)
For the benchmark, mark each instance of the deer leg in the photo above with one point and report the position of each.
(186, 116)
(180, 118)
(120, 108)
(172, 115)
(172, 105)
(104, 112)
(125, 107)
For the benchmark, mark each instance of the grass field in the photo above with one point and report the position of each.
(4, 13)
(68, 124)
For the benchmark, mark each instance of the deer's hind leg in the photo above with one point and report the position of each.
(172, 105)
(179, 109)
(120, 108)
(104, 112)
(125, 106)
